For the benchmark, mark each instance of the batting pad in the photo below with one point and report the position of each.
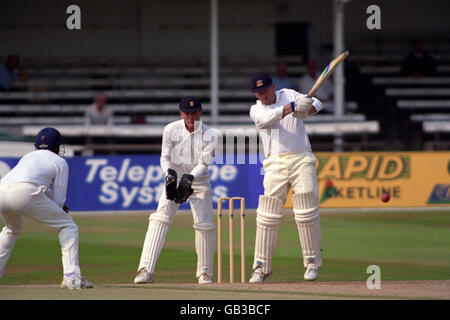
(154, 241)
(268, 220)
(205, 246)
(306, 212)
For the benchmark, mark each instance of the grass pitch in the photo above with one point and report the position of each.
(405, 245)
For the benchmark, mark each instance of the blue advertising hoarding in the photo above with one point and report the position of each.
(135, 182)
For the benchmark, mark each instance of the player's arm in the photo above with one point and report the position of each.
(265, 118)
(170, 175)
(166, 150)
(205, 157)
(60, 183)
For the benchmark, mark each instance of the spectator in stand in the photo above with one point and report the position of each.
(325, 92)
(98, 113)
(418, 62)
(11, 71)
(138, 119)
(282, 80)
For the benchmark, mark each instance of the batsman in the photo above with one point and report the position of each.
(289, 163)
(188, 147)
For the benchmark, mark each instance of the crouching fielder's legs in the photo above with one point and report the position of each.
(306, 211)
(8, 237)
(268, 219)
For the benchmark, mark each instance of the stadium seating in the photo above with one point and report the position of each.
(419, 105)
(59, 91)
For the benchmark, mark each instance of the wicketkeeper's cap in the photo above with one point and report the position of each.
(190, 104)
(48, 138)
(261, 82)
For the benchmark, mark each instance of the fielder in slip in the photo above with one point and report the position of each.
(36, 188)
(187, 150)
(289, 163)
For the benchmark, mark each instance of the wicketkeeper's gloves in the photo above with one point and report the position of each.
(184, 188)
(171, 184)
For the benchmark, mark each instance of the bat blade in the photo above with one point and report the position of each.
(327, 72)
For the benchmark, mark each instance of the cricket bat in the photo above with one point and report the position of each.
(327, 72)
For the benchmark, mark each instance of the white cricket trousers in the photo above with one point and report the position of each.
(296, 170)
(205, 229)
(283, 171)
(18, 200)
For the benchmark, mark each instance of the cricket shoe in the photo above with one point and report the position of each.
(204, 279)
(76, 282)
(312, 272)
(258, 276)
(143, 276)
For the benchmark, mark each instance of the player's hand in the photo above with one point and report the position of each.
(300, 115)
(184, 190)
(171, 184)
(302, 107)
(303, 104)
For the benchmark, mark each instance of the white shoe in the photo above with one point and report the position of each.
(312, 272)
(204, 278)
(258, 276)
(143, 276)
(76, 282)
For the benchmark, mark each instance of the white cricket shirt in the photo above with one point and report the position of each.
(42, 168)
(187, 152)
(281, 135)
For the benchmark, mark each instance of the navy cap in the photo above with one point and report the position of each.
(190, 104)
(260, 82)
(48, 138)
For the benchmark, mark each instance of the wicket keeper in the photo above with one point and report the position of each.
(187, 150)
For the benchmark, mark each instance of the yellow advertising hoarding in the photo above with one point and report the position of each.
(358, 179)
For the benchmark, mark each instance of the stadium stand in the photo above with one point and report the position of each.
(417, 106)
(60, 90)
(144, 93)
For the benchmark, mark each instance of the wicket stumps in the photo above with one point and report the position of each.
(231, 236)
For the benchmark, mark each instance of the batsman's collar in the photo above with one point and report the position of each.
(190, 104)
(261, 82)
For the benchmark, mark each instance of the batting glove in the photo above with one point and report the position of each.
(303, 104)
(300, 115)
